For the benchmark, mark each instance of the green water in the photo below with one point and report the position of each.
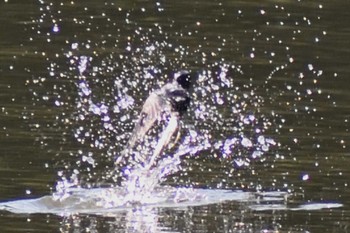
(293, 54)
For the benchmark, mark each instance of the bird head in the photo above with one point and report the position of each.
(184, 79)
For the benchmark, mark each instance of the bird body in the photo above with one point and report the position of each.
(158, 123)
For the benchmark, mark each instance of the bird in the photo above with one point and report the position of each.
(158, 125)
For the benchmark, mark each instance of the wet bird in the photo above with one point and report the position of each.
(158, 126)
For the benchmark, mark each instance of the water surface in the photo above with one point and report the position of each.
(270, 111)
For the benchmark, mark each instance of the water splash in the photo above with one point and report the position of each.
(238, 143)
(100, 91)
(141, 187)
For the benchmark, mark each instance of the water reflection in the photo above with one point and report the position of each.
(141, 220)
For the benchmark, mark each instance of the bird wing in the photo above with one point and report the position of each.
(151, 112)
(171, 128)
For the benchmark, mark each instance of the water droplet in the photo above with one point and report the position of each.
(55, 28)
(246, 142)
(74, 46)
(305, 177)
(310, 66)
(261, 140)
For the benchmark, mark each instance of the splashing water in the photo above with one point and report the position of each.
(242, 135)
(140, 187)
(141, 181)
(226, 121)
(107, 78)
